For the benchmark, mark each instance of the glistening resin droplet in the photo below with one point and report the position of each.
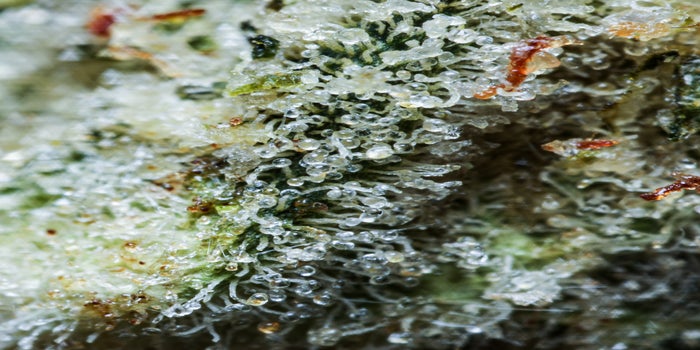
(379, 152)
(257, 299)
(400, 338)
(268, 327)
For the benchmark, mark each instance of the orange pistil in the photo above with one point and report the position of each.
(528, 57)
(102, 19)
(100, 22)
(573, 147)
(592, 144)
(235, 121)
(684, 182)
(177, 16)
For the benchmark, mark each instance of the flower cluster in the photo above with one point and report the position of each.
(364, 175)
